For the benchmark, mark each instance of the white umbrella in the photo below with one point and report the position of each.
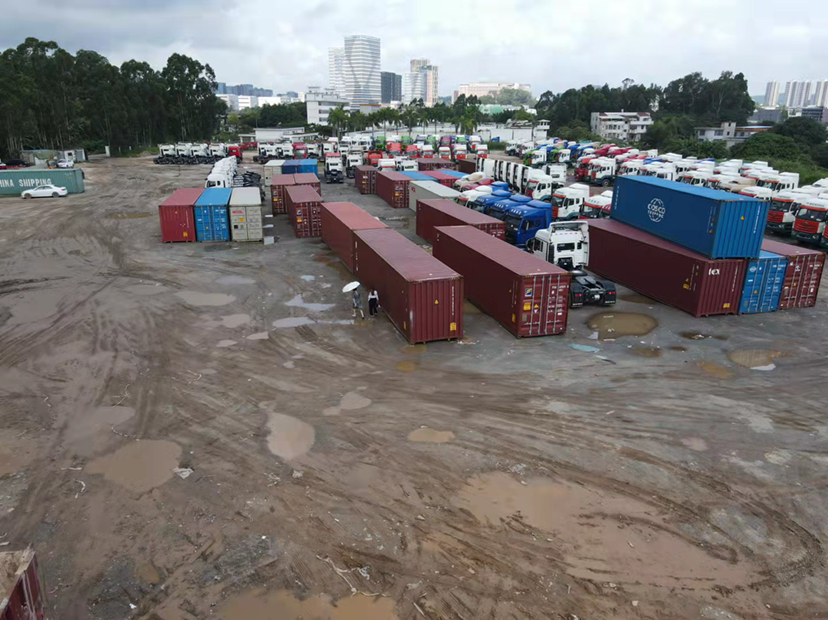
(350, 286)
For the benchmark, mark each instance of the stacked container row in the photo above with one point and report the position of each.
(304, 206)
(803, 274)
(392, 187)
(278, 186)
(365, 179)
(422, 296)
(764, 278)
(527, 295)
(298, 166)
(434, 213)
(441, 177)
(427, 190)
(433, 163)
(339, 222)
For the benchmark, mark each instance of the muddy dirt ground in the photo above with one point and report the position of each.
(644, 465)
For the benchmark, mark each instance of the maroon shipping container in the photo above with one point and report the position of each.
(665, 271)
(176, 215)
(22, 596)
(365, 179)
(441, 177)
(425, 163)
(392, 187)
(304, 207)
(803, 276)
(339, 221)
(467, 166)
(439, 212)
(308, 178)
(527, 295)
(421, 296)
(277, 191)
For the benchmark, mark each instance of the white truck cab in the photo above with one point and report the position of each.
(406, 165)
(760, 193)
(567, 201)
(565, 244)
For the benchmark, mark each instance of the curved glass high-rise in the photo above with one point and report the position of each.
(361, 68)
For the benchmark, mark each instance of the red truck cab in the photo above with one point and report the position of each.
(300, 150)
(394, 149)
(809, 226)
(234, 150)
(412, 151)
(582, 168)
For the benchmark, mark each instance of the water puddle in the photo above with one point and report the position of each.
(695, 443)
(349, 402)
(755, 359)
(194, 298)
(298, 302)
(289, 437)
(235, 320)
(610, 325)
(700, 336)
(129, 216)
(257, 336)
(636, 298)
(308, 278)
(678, 348)
(604, 535)
(407, 366)
(235, 280)
(259, 604)
(585, 348)
(716, 370)
(650, 352)
(139, 465)
(223, 344)
(292, 321)
(429, 435)
(90, 430)
(207, 371)
(145, 290)
(418, 349)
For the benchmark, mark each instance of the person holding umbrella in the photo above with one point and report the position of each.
(356, 299)
(373, 303)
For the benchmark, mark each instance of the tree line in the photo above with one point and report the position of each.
(53, 99)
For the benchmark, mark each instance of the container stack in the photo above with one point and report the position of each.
(392, 187)
(803, 274)
(527, 295)
(441, 177)
(697, 249)
(434, 213)
(365, 179)
(434, 163)
(304, 207)
(419, 190)
(339, 222)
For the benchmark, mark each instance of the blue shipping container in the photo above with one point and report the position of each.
(291, 166)
(211, 220)
(454, 173)
(714, 223)
(763, 283)
(418, 176)
(307, 166)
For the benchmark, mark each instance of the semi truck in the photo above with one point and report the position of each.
(596, 207)
(601, 171)
(809, 225)
(567, 201)
(523, 221)
(782, 212)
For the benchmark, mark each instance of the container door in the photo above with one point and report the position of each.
(557, 305)
(202, 224)
(254, 223)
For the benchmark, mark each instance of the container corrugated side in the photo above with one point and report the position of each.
(467, 166)
(339, 221)
(435, 163)
(277, 191)
(306, 178)
(304, 206)
(422, 296)
(764, 278)
(665, 271)
(440, 212)
(176, 215)
(441, 177)
(271, 169)
(13, 182)
(803, 274)
(428, 190)
(714, 223)
(210, 212)
(24, 597)
(392, 187)
(365, 179)
(527, 295)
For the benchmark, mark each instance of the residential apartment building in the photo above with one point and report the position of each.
(336, 70)
(391, 87)
(479, 89)
(820, 97)
(361, 68)
(320, 102)
(818, 113)
(772, 94)
(729, 133)
(242, 89)
(627, 126)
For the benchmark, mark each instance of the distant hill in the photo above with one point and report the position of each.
(760, 99)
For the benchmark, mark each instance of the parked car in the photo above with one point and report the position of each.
(65, 163)
(44, 191)
(17, 163)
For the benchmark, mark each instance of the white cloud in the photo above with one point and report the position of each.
(551, 44)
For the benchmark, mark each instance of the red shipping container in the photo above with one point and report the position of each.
(304, 206)
(365, 179)
(803, 275)
(441, 177)
(467, 165)
(665, 271)
(176, 215)
(392, 187)
(23, 596)
(425, 163)
(436, 212)
(308, 178)
(421, 296)
(339, 221)
(527, 295)
(278, 184)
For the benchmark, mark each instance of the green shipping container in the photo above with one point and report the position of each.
(13, 182)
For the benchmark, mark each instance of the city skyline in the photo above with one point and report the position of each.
(798, 93)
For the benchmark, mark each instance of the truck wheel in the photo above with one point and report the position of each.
(605, 183)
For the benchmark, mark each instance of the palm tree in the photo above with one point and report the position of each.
(337, 118)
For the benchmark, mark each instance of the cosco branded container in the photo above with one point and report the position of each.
(665, 271)
(441, 177)
(176, 215)
(803, 274)
(421, 296)
(210, 212)
(339, 221)
(711, 222)
(392, 187)
(428, 190)
(525, 294)
(764, 278)
(307, 178)
(272, 169)
(246, 214)
(13, 182)
(365, 179)
(433, 213)
(304, 206)
(278, 185)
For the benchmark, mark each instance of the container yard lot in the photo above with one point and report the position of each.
(638, 466)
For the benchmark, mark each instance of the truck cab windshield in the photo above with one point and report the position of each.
(781, 205)
(513, 222)
(811, 214)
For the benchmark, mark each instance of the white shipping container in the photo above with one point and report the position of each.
(254, 223)
(426, 190)
(274, 166)
(246, 214)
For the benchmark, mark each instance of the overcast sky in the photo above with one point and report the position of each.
(551, 44)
